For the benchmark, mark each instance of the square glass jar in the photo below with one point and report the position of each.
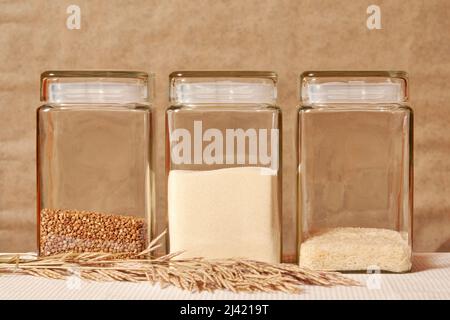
(93, 162)
(355, 171)
(223, 165)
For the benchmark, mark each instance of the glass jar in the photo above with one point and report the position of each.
(93, 162)
(355, 171)
(223, 151)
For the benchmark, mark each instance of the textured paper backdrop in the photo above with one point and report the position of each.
(287, 36)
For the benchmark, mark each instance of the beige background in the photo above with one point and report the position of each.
(287, 36)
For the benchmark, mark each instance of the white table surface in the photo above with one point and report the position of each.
(429, 279)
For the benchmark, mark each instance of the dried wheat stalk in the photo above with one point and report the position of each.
(195, 274)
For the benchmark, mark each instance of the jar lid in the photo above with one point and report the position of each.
(353, 87)
(224, 87)
(354, 91)
(95, 87)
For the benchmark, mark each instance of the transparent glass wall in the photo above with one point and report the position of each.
(223, 165)
(93, 162)
(355, 171)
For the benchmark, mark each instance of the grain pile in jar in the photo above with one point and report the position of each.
(87, 231)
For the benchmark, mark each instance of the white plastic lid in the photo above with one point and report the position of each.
(223, 87)
(225, 92)
(97, 92)
(96, 86)
(353, 91)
